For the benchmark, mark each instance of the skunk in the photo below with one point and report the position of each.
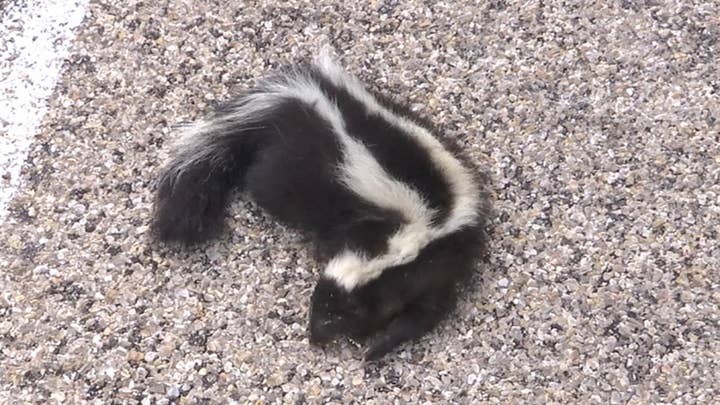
(396, 217)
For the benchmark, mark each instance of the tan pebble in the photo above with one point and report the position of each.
(314, 391)
(166, 349)
(134, 355)
(275, 379)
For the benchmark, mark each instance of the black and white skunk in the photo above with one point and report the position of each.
(396, 217)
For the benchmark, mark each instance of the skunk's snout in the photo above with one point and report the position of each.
(324, 315)
(322, 330)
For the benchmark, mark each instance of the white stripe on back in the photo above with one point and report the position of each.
(351, 270)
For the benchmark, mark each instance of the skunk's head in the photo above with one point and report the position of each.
(336, 311)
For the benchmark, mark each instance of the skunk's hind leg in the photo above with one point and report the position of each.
(419, 317)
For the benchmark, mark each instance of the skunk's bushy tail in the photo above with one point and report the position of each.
(208, 162)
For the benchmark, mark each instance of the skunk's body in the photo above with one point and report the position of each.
(397, 216)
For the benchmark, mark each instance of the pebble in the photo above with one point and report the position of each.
(150, 356)
(173, 392)
(275, 379)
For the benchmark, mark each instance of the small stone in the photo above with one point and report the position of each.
(173, 392)
(157, 388)
(503, 283)
(134, 355)
(141, 373)
(214, 345)
(471, 379)
(166, 349)
(150, 356)
(79, 209)
(687, 297)
(275, 379)
(314, 390)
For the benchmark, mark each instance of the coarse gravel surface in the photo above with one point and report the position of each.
(599, 122)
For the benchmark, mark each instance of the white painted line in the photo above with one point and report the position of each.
(35, 36)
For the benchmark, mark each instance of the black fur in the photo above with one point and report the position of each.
(287, 160)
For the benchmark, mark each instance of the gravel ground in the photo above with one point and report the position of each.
(598, 122)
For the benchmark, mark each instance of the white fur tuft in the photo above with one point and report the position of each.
(198, 141)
